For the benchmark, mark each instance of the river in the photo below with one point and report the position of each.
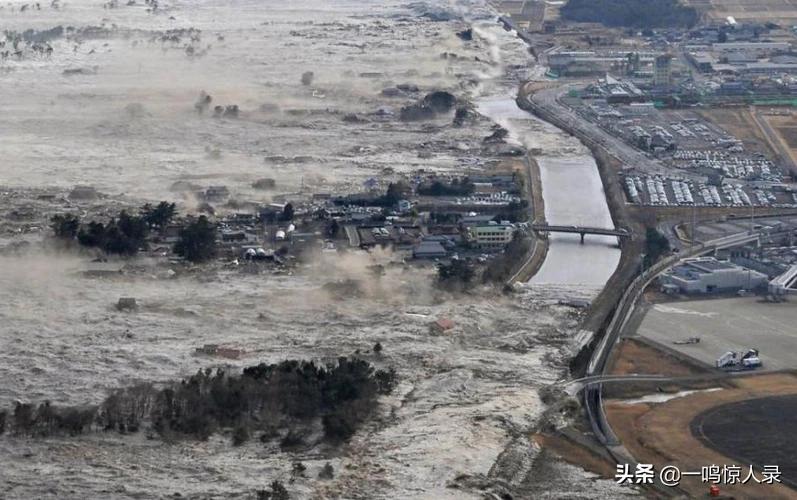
(573, 194)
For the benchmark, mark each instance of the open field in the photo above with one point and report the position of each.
(763, 441)
(735, 324)
(784, 125)
(633, 356)
(660, 433)
(739, 122)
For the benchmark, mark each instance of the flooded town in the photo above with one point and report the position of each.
(387, 249)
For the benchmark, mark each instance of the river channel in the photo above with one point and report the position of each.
(573, 194)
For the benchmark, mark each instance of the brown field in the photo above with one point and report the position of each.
(660, 433)
(740, 123)
(636, 357)
(759, 10)
(785, 126)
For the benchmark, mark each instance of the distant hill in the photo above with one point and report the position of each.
(631, 13)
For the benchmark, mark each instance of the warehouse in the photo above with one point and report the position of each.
(709, 275)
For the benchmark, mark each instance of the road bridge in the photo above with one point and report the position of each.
(581, 230)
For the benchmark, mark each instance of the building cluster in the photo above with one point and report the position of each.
(767, 265)
(432, 218)
(710, 167)
(775, 258)
(595, 62)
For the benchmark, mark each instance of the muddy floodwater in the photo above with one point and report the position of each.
(111, 104)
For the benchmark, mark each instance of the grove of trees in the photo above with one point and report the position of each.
(457, 187)
(197, 240)
(264, 398)
(124, 234)
(638, 14)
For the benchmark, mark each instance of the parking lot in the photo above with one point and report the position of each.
(730, 324)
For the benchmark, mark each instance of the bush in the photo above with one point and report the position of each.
(298, 469)
(240, 435)
(278, 491)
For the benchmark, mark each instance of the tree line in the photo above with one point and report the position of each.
(270, 399)
(126, 234)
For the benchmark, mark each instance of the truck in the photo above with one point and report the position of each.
(735, 361)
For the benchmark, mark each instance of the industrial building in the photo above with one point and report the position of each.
(662, 71)
(709, 275)
(581, 63)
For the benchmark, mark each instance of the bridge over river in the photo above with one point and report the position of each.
(581, 230)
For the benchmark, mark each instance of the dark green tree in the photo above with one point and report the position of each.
(197, 241)
(326, 472)
(92, 235)
(160, 215)
(278, 491)
(287, 212)
(395, 192)
(65, 226)
(459, 273)
(656, 246)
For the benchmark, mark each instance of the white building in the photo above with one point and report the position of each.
(491, 236)
(707, 275)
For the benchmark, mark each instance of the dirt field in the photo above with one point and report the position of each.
(760, 10)
(660, 433)
(636, 357)
(740, 123)
(785, 126)
(763, 443)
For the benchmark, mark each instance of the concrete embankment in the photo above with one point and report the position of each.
(539, 248)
